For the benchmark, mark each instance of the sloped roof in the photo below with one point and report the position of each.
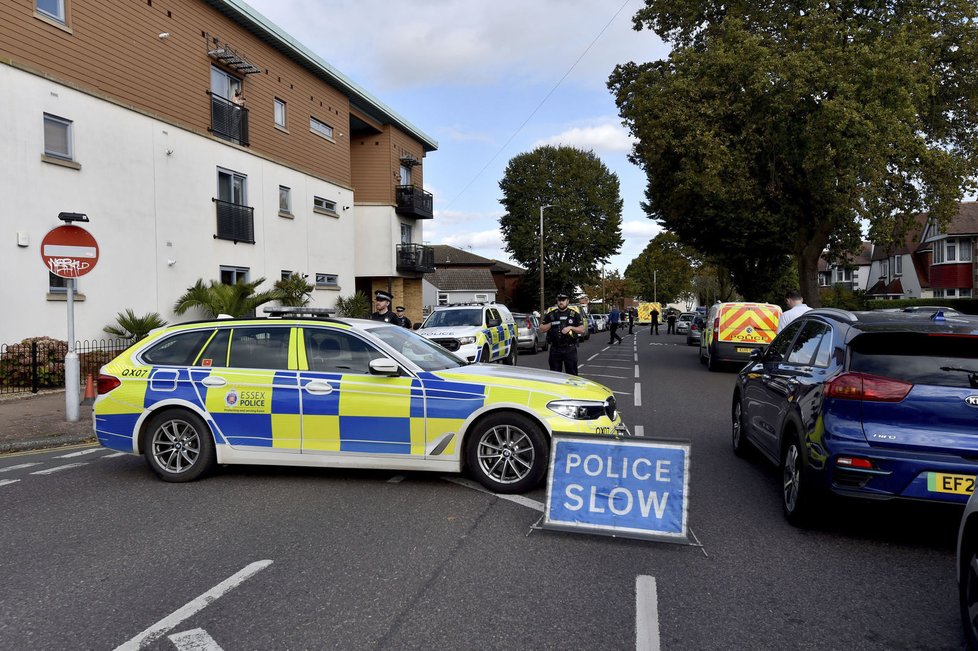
(462, 280)
(510, 269)
(449, 255)
(966, 221)
(863, 257)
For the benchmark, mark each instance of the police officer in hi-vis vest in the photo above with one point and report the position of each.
(563, 325)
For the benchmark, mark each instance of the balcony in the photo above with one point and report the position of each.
(235, 222)
(412, 201)
(415, 257)
(228, 120)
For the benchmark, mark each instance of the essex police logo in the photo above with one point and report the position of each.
(231, 399)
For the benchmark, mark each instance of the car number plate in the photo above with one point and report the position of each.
(939, 482)
(744, 350)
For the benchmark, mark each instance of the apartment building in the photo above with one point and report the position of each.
(202, 142)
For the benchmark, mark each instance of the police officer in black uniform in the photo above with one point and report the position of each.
(382, 301)
(402, 320)
(563, 325)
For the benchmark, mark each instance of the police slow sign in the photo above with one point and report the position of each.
(633, 487)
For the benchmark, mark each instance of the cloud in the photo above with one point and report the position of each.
(644, 228)
(481, 239)
(605, 137)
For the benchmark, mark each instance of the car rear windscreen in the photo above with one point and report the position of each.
(934, 359)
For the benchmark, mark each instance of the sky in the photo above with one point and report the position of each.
(470, 73)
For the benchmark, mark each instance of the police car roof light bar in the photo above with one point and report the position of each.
(281, 310)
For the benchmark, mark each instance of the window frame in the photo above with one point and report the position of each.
(898, 265)
(325, 283)
(69, 137)
(62, 6)
(234, 177)
(278, 104)
(287, 210)
(325, 209)
(443, 298)
(326, 131)
(244, 272)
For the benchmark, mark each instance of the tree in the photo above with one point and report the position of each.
(581, 229)
(713, 283)
(778, 128)
(612, 290)
(664, 270)
(294, 291)
(130, 326)
(217, 298)
(355, 306)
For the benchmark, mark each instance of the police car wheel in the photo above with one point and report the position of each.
(178, 445)
(511, 358)
(507, 453)
(486, 355)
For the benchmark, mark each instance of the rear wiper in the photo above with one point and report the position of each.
(972, 374)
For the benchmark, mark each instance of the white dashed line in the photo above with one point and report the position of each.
(7, 482)
(638, 394)
(640, 430)
(58, 469)
(160, 628)
(78, 454)
(617, 377)
(117, 454)
(636, 358)
(646, 614)
(195, 640)
(19, 466)
(593, 356)
(516, 499)
(636, 371)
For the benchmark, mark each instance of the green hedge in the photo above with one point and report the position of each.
(963, 305)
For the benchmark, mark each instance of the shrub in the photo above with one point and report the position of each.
(15, 363)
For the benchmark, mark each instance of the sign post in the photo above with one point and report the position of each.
(622, 487)
(70, 252)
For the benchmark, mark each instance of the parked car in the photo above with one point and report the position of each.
(876, 405)
(338, 393)
(476, 332)
(967, 564)
(683, 321)
(528, 333)
(600, 321)
(695, 332)
(931, 309)
(734, 329)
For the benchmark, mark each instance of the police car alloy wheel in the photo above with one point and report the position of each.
(178, 446)
(507, 453)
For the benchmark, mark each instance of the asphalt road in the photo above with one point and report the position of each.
(101, 554)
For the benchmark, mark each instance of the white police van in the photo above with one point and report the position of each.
(476, 332)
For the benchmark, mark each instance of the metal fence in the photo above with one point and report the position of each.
(37, 364)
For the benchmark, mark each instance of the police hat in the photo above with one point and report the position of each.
(381, 295)
(399, 308)
(561, 295)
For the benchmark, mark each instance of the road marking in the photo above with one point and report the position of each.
(640, 430)
(516, 499)
(117, 454)
(5, 482)
(636, 357)
(638, 394)
(636, 371)
(646, 614)
(160, 628)
(396, 479)
(19, 466)
(592, 356)
(77, 454)
(195, 640)
(617, 377)
(58, 468)
(624, 368)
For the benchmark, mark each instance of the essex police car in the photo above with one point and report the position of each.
(479, 332)
(335, 393)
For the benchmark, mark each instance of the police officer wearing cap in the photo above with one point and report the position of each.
(382, 301)
(563, 325)
(402, 320)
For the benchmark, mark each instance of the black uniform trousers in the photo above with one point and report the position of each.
(563, 358)
(614, 334)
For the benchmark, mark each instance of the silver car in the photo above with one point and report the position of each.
(682, 323)
(528, 334)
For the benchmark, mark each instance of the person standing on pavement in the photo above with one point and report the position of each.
(671, 321)
(563, 325)
(631, 320)
(654, 315)
(796, 307)
(382, 301)
(402, 320)
(614, 320)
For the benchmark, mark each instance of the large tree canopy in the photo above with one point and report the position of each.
(582, 228)
(781, 128)
(664, 270)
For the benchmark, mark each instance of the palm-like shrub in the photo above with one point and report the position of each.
(294, 290)
(356, 306)
(130, 326)
(217, 298)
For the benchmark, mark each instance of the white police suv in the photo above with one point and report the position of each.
(481, 332)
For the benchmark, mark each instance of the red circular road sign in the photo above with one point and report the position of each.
(69, 251)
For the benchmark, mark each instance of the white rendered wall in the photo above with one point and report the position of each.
(147, 188)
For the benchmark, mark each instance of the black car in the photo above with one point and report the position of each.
(876, 405)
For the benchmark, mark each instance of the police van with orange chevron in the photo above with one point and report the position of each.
(734, 329)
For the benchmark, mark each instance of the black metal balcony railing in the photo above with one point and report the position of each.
(235, 222)
(415, 202)
(415, 257)
(228, 120)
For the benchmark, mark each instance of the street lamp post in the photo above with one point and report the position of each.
(542, 304)
(655, 286)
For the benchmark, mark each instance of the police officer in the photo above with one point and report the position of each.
(562, 326)
(382, 301)
(402, 320)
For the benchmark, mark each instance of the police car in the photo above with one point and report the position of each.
(335, 393)
(478, 332)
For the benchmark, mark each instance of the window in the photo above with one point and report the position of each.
(965, 293)
(279, 113)
(232, 187)
(285, 274)
(964, 249)
(234, 275)
(779, 347)
(938, 293)
(480, 298)
(898, 265)
(181, 349)
(407, 233)
(442, 298)
(405, 175)
(333, 351)
(327, 280)
(57, 137)
(320, 128)
(323, 205)
(844, 275)
(259, 347)
(58, 285)
(224, 85)
(806, 344)
(284, 199)
(950, 248)
(52, 9)
(885, 269)
(216, 352)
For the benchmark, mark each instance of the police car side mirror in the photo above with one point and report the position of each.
(384, 366)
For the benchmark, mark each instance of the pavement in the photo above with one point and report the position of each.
(36, 421)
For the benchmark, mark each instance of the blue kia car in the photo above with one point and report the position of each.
(875, 405)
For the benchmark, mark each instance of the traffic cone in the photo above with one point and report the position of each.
(89, 390)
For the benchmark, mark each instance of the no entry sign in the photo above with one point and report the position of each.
(69, 251)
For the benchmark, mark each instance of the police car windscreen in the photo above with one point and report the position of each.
(452, 318)
(429, 356)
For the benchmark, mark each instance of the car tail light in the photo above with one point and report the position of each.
(106, 383)
(860, 386)
(716, 325)
(854, 462)
(694, 327)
